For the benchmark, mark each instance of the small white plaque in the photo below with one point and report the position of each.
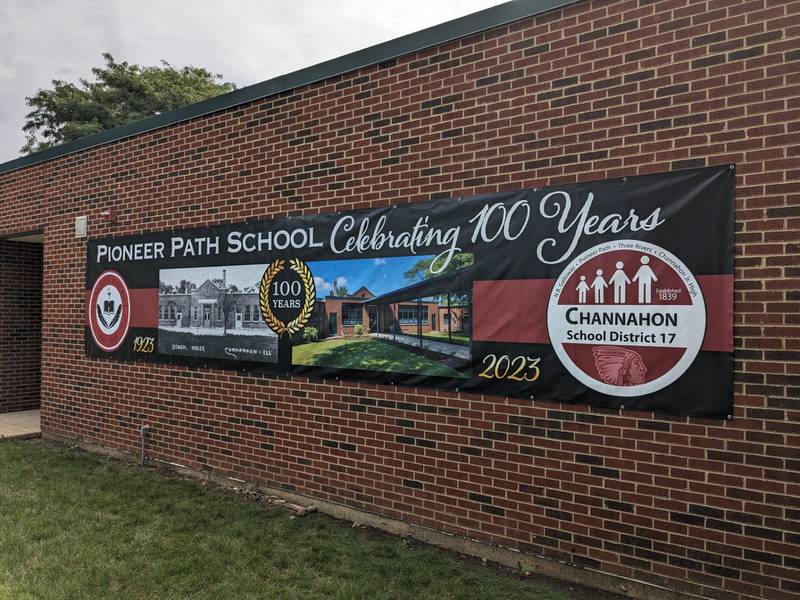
(81, 227)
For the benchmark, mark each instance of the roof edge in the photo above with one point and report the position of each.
(443, 33)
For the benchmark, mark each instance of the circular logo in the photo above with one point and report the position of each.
(109, 311)
(287, 296)
(626, 318)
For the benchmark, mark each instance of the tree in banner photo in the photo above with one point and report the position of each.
(389, 315)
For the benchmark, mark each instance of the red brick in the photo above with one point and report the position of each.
(738, 109)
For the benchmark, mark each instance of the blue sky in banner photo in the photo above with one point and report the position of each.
(379, 275)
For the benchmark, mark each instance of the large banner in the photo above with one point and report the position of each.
(615, 293)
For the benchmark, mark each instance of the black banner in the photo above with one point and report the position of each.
(615, 293)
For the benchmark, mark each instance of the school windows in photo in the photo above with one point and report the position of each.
(214, 312)
(391, 314)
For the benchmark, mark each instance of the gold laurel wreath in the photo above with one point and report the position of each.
(296, 324)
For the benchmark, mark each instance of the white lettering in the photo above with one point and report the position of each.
(559, 204)
(371, 239)
(176, 245)
(234, 242)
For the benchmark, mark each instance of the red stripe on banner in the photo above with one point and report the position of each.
(511, 310)
(144, 307)
(515, 311)
(718, 295)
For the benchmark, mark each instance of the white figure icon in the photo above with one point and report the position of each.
(599, 284)
(582, 288)
(645, 277)
(620, 281)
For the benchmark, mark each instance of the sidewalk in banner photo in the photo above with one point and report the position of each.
(19, 425)
(218, 331)
(454, 350)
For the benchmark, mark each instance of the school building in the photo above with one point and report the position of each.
(211, 305)
(522, 95)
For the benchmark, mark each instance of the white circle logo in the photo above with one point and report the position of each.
(109, 311)
(626, 318)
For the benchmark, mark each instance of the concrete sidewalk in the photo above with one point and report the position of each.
(20, 425)
(454, 350)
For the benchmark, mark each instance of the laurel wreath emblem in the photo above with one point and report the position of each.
(296, 324)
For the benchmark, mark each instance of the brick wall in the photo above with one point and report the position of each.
(598, 89)
(20, 325)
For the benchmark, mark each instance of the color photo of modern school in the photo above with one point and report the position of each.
(399, 318)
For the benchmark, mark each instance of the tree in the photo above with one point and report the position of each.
(339, 289)
(185, 286)
(422, 270)
(122, 93)
(228, 307)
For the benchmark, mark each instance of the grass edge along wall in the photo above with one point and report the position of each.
(594, 90)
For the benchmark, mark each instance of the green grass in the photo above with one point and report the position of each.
(460, 338)
(74, 526)
(370, 355)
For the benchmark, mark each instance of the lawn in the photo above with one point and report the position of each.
(75, 526)
(368, 354)
(460, 338)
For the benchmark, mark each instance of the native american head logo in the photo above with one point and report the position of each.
(619, 366)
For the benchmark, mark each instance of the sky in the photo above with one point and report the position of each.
(380, 275)
(242, 276)
(247, 41)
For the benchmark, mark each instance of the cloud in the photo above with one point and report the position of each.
(322, 285)
(340, 281)
(380, 261)
(48, 39)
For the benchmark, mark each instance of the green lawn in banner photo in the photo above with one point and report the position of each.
(79, 527)
(369, 355)
(460, 338)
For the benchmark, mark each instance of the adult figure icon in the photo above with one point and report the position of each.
(645, 277)
(582, 288)
(599, 285)
(620, 281)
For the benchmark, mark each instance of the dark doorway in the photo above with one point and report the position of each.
(20, 322)
(333, 329)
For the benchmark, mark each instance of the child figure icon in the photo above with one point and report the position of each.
(599, 284)
(582, 288)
